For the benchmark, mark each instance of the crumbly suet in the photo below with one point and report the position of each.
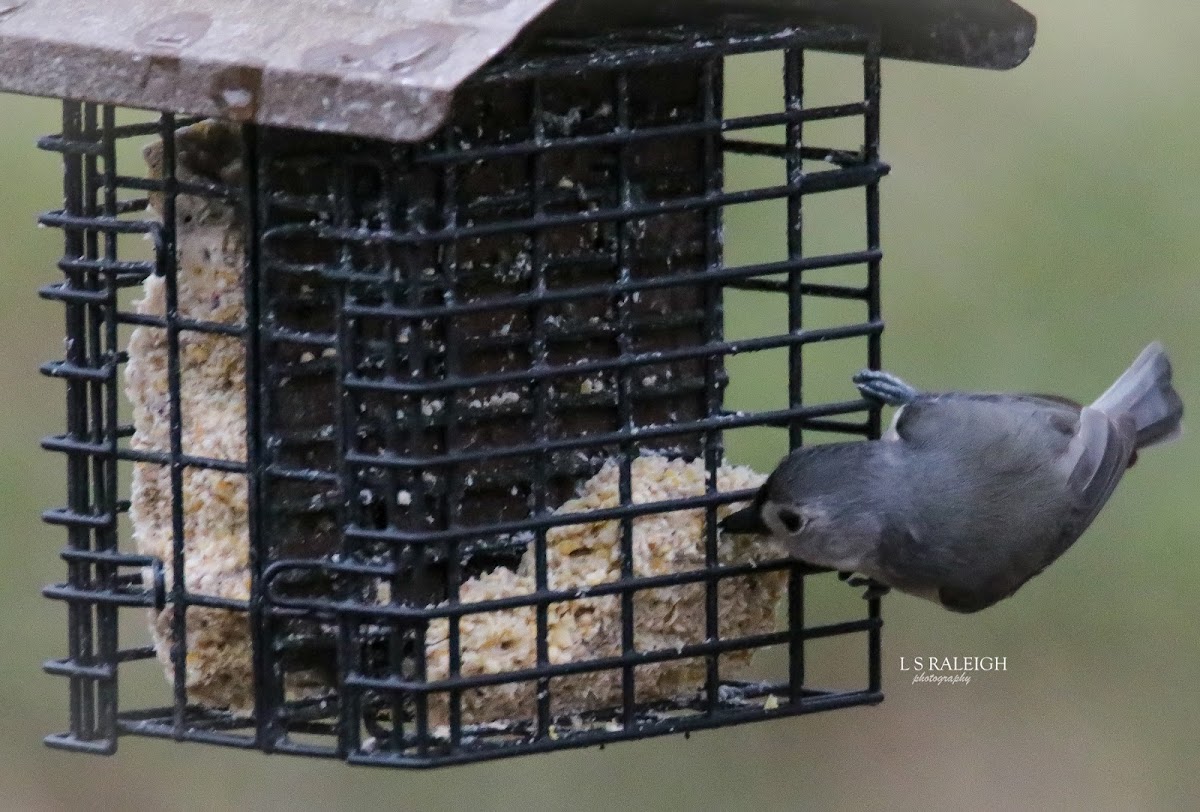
(579, 556)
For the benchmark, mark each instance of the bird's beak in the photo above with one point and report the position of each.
(746, 520)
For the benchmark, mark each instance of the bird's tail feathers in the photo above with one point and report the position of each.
(1144, 392)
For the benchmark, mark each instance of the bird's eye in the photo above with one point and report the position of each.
(791, 520)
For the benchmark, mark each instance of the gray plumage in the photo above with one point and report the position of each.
(968, 495)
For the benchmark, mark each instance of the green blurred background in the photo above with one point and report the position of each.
(1040, 226)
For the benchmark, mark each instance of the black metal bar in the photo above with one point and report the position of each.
(326, 606)
(190, 325)
(104, 428)
(452, 441)
(806, 289)
(871, 126)
(810, 416)
(84, 372)
(718, 275)
(635, 134)
(103, 224)
(836, 157)
(796, 639)
(831, 180)
(153, 726)
(198, 187)
(139, 598)
(393, 439)
(66, 445)
(793, 93)
(629, 660)
(793, 99)
(712, 105)
(533, 524)
(353, 382)
(167, 267)
(266, 698)
(69, 140)
(349, 655)
(539, 359)
(194, 734)
(424, 503)
(621, 307)
(126, 273)
(728, 420)
(393, 332)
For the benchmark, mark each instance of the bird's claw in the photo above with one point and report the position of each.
(873, 590)
(884, 387)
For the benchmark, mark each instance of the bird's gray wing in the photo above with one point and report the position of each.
(1096, 459)
(931, 418)
(1041, 469)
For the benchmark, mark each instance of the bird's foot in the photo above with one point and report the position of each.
(884, 387)
(873, 590)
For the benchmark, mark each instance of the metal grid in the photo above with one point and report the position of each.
(368, 327)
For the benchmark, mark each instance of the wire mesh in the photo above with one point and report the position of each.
(427, 350)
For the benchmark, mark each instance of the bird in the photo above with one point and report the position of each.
(968, 495)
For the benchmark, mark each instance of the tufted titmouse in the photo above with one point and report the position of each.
(968, 495)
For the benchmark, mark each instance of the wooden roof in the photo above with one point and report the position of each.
(389, 68)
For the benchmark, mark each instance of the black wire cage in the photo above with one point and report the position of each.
(424, 448)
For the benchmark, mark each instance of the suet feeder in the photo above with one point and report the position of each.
(396, 359)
